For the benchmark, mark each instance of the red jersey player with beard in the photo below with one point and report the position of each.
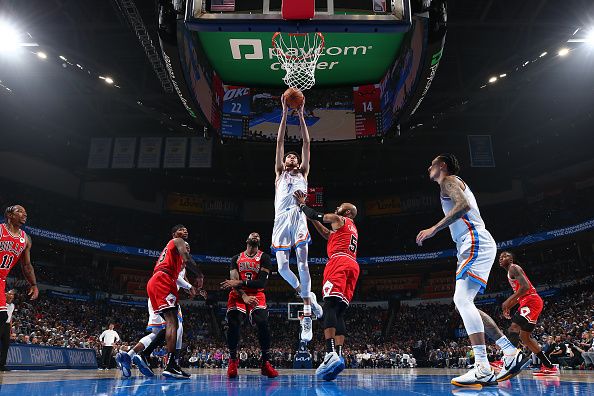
(340, 277)
(529, 309)
(162, 291)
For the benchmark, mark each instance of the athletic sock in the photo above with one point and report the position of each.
(480, 355)
(171, 359)
(306, 310)
(506, 346)
(330, 345)
(339, 350)
(544, 359)
(131, 353)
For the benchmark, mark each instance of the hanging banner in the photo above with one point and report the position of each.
(124, 150)
(481, 151)
(200, 152)
(175, 152)
(149, 154)
(187, 203)
(99, 153)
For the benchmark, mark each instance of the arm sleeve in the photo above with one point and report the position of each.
(257, 283)
(311, 213)
(182, 283)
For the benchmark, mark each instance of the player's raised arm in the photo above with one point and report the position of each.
(323, 231)
(28, 271)
(450, 188)
(279, 165)
(305, 148)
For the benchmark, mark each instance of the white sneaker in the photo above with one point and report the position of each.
(306, 329)
(330, 363)
(316, 308)
(477, 377)
(512, 365)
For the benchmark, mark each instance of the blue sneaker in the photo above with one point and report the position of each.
(144, 367)
(329, 366)
(337, 370)
(125, 363)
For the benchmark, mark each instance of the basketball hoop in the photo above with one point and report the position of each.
(298, 54)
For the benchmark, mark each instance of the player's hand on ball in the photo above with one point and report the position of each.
(252, 301)
(33, 293)
(425, 234)
(231, 283)
(300, 197)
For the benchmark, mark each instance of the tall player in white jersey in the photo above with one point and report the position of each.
(476, 251)
(290, 224)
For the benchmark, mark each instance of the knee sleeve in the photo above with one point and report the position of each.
(340, 323)
(331, 312)
(282, 260)
(234, 320)
(147, 339)
(466, 291)
(260, 319)
(303, 267)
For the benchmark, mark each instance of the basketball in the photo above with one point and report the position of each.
(294, 97)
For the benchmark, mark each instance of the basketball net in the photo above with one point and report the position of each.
(298, 54)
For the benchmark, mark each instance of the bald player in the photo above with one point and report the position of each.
(340, 277)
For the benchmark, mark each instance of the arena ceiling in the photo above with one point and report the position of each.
(55, 109)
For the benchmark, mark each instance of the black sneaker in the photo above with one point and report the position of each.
(185, 373)
(174, 372)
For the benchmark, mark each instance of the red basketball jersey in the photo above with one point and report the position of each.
(516, 285)
(249, 268)
(11, 249)
(170, 261)
(343, 242)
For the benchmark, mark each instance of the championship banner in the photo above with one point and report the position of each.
(149, 154)
(99, 153)
(175, 152)
(124, 150)
(186, 203)
(200, 152)
(481, 151)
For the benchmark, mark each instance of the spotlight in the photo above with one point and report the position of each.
(563, 52)
(590, 37)
(543, 54)
(9, 37)
(503, 75)
(109, 80)
(492, 79)
(42, 55)
(63, 58)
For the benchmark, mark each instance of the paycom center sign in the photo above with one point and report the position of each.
(347, 59)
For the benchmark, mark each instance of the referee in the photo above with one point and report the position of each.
(5, 329)
(108, 338)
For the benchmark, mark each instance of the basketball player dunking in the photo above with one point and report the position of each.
(529, 309)
(163, 293)
(476, 253)
(248, 273)
(290, 224)
(340, 278)
(15, 246)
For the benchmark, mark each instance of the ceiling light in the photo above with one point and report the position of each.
(109, 80)
(42, 55)
(503, 75)
(492, 79)
(9, 37)
(543, 54)
(563, 52)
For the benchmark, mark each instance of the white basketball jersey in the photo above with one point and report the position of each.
(471, 222)
(286, 185)
(182, 275)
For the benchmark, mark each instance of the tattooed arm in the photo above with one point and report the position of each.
(449, 188)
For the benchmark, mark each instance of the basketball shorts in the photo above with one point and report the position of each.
(290, 230)
(156, 321)
(476, 255)
(528, 312)
(235, 303)
(162, 292)
(340, 278)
